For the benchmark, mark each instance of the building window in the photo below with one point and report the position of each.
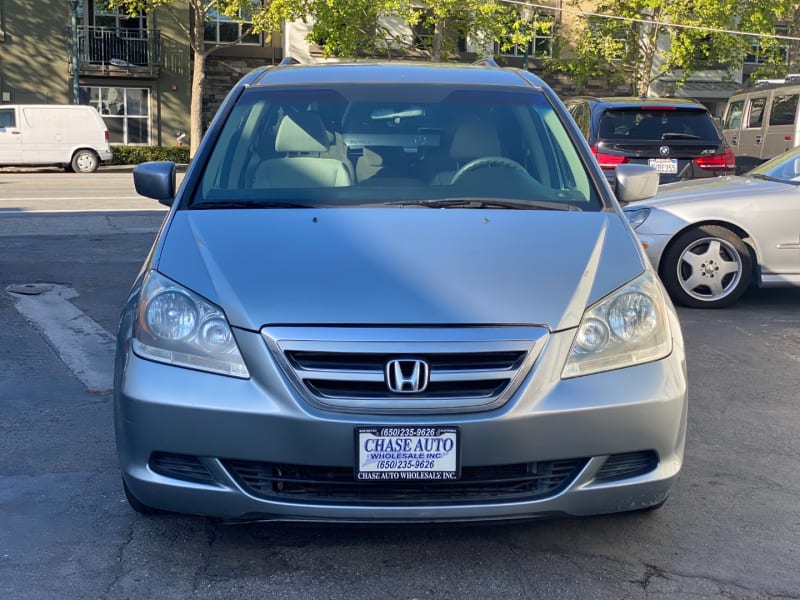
(612, 35)
(121, 24)
(220, 29)
(758, 54)
(126, 112)
(541, 46)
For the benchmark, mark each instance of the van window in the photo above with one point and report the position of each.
(784, 110)
(756, 116)
(7, 118)
(734, 117)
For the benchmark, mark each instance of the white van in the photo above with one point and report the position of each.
(761, 123)
(72, 136)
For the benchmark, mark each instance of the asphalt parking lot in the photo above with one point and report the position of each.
(731, 528)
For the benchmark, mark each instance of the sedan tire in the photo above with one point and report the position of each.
(707, 267)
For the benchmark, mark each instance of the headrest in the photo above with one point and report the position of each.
(302, 132)
(474, 139)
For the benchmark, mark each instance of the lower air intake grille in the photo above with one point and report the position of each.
(180, 466)
(337, 485)
(623, 466)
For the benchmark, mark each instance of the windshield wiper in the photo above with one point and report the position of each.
(231, 204)
(488, 203)
(679, 136)
(771, 178)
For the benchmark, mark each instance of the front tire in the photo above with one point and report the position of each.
(85, 161)
(707, 267)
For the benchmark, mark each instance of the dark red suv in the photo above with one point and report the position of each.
(679, 138)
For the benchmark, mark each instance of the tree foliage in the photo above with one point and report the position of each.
(646, 41)
(193, 25)
(351, 28)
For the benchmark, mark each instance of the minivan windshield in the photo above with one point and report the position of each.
(431, 146)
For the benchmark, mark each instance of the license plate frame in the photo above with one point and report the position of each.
(407, 453)
(667, 166)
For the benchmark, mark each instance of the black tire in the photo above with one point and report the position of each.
(707, 267)
(137, 505)
(85, 161)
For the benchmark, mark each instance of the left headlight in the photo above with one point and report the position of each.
(636, 216)
(177, 327)
(628, 327)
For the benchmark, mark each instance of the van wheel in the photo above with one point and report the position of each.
(85, 161)
(707, 267)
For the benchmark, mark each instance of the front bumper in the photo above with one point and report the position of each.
(216, 420)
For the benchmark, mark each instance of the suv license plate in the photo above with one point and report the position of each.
(407, 453)
(664, 165)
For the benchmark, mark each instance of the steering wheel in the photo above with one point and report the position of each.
(487, 161)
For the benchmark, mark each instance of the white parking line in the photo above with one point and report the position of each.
(84, 346)
(60, 198)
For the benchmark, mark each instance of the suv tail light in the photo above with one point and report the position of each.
(107, 137)
(717, 162)
(608, 162)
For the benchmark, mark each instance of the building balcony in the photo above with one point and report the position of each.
(105, 52)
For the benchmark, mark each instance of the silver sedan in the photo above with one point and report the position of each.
(711, 239)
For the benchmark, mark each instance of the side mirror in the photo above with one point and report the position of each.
(635, 182)
(156, 180)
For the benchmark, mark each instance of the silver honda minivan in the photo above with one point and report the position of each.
(391, 293)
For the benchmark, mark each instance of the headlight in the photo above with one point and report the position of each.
(628, 327)
(177, 327)
(637, 216)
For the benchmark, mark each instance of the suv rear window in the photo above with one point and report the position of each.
(656, 124)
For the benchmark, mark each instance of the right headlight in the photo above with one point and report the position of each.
(628, 327)
(178, 327)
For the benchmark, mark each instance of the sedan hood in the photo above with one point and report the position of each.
(399, 266)
(711, 189)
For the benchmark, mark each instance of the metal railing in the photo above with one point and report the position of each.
(108, 49)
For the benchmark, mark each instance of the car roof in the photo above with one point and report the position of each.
(633, 102)
(397, 73)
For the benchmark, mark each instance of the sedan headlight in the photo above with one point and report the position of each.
(628, 327)
(636, 216)
(177, 327)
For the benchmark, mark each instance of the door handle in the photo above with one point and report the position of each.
(757, 140)
(734, 140)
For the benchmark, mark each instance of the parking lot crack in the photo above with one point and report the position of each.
(119, 568)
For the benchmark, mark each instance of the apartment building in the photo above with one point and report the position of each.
(135, 70)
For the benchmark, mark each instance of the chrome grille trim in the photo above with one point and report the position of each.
(311, 356)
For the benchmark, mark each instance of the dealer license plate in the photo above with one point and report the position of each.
(664, 165)
(407, 453)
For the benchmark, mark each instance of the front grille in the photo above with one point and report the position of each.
(623, 466)
(345, 368)
(337, 485)
(180, 466)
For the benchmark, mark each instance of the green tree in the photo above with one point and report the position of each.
(650, 38)
(349, 28)
(192, 22)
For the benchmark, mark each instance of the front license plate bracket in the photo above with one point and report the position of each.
(408, 453)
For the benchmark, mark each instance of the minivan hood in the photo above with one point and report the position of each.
(399, 266)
